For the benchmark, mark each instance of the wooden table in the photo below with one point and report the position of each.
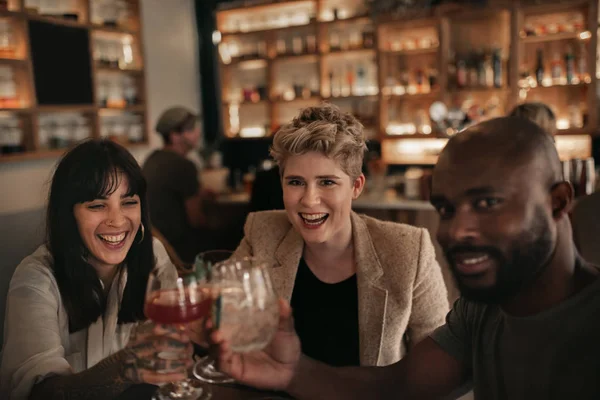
(233, 392)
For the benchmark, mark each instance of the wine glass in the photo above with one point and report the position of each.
(205, 367)
(178, 302)
(246, 309)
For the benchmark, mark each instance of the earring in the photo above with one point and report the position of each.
(142, 239)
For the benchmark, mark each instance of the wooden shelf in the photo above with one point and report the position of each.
(338, 53)
(23, 110)
(351, 97)
(575, 131)
(459, 29)
(117, 70)
(24, 78)
(312, 24)
(349, 20)
(555, 37)
(227, 8)
(238, 61)
(297, 100)
(569, 86)
(66, 108)
(480, 89)
(112, 29)
(311, 57)
(13, 61)
(434, 93)
(431, 50)
(58, 21)
(248, 103)
(11, 14)
(134, 108)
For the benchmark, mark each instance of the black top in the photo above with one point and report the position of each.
(326, 318)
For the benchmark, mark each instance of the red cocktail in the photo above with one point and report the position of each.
(168, 307)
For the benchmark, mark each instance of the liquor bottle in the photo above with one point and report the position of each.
(557, 70)
(582, 64)
(539, 69)
(331, 83)
(481, 69)
(334, 41)
(497, 65)
(570, 65)
(361, 84)
(461, 73)
(349, 84)
(489, 71)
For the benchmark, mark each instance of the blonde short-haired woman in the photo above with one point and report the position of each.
(363, 291)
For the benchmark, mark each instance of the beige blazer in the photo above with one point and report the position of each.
(401, 292)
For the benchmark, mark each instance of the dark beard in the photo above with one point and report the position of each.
(528, 256)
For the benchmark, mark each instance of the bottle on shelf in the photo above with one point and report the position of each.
(311, 44)
(334, 41)
(368, 38)
(280, 46)
(539, 69)
(136, 129)
(8, 47)
(461, 73)
(497, 66)
(556, 70)
(582, 64)
(488, 68)
(297, 44)
(348, 87)
(8, 89)
(481, 69)
(570, 65)
(130, 91)
(11, 135)
(361, 84)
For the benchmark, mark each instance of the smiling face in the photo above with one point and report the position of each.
(318, 195)
(496, 225)
(108, 226)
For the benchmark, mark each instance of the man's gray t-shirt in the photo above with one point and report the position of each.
(552, 355)
(171, 179)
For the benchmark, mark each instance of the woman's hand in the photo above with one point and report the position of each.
(272, 368)
(157, 354)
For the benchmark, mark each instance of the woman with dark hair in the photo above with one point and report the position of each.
(72, 304)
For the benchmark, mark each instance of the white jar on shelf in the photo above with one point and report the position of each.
(136, 129)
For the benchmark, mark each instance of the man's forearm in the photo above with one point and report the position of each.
(315, 381)
(103, 381)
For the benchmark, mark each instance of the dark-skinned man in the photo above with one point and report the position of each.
(527, 324)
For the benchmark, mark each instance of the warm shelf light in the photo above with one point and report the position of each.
(585, 35)
(562, 123)
(252, 132)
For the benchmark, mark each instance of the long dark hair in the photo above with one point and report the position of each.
(90, 171)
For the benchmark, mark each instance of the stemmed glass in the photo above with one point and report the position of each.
(246, 310)
(205, 369)
(177, 303)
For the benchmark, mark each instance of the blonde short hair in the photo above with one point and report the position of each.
(539, 113)
(326, 130)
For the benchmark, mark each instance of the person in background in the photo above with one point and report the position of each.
(364, 291)
(74, 325)
(526, 326)
(174, 194)
(536, 112)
